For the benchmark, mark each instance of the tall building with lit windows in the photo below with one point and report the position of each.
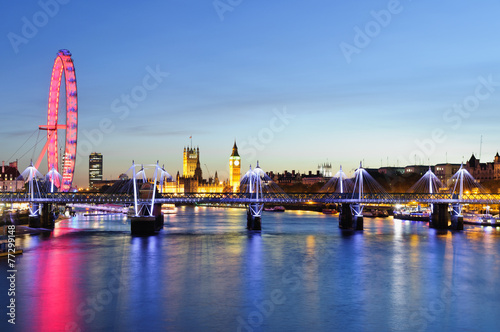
(234, 169)
(191, 160)
(445, 172)
(192, 180)
(95, 168)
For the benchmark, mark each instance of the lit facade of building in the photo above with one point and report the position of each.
(416, 169)
(325, 170)
(190, 161)
(95, 168)
(484, 171)
(192, 180)
(445, 172)
(235, 169)
(9, 178)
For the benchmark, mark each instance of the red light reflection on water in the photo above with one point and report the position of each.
(53, 277)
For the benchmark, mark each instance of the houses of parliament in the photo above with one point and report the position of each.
(191, 180)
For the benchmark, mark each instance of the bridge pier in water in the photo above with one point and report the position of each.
(43, 216)
(348, 219)
(254, 216)
(147, 224)
(252, 181)
(34, 218)
(47, 216)
(148, 218)
(457, 220)
(440, 216)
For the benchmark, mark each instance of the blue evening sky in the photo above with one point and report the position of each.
(294, 82)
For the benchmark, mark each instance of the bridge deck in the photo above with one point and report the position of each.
(293, 198)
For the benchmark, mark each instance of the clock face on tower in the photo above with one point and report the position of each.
(230, 162)
(236, 163)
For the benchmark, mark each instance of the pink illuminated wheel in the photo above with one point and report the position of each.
(62, 63)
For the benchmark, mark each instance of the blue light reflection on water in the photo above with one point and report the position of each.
(204, 271)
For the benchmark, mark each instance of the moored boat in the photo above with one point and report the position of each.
(168, 208)
(375, 213)
(412, 216)
(485, 219)
(277, 208)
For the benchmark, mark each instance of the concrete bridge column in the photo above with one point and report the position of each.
(254, 216)
(47, 217)
(457, 220)
(357, 218)
(440, 216)
(345, 216)
(34, 221)
(147, 224)
(350, 218)
(159, 220)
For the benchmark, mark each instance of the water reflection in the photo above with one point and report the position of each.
(205, 271)
(399, 276)
(50, 283)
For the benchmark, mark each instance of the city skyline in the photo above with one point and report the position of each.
(207, 173)
(365, 81)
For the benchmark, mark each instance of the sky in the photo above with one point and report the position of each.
(295, 83)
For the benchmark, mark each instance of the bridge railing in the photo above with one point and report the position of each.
(401, 198)
(271, 198)
(66, 197)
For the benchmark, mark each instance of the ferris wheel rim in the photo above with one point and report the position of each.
(63, 65)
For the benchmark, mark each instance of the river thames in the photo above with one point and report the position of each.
(205, 272)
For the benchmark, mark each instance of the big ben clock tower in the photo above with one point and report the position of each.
(234, 169)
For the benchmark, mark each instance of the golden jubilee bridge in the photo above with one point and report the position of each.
(246, 198)
(146, 195)
(349, 219)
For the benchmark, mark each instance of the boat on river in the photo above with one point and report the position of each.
(413, 216)
(483, 219)
(330, 211)
(277, 208)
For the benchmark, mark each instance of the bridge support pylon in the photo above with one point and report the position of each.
(440, 216)
(350, 217)
(252, 181)
(357, 217)
(148, 218)
(147, 224)
(254, 216)
(43, 216)
(47, 216)
(345, 216)
(34, 218)
(457, 219)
